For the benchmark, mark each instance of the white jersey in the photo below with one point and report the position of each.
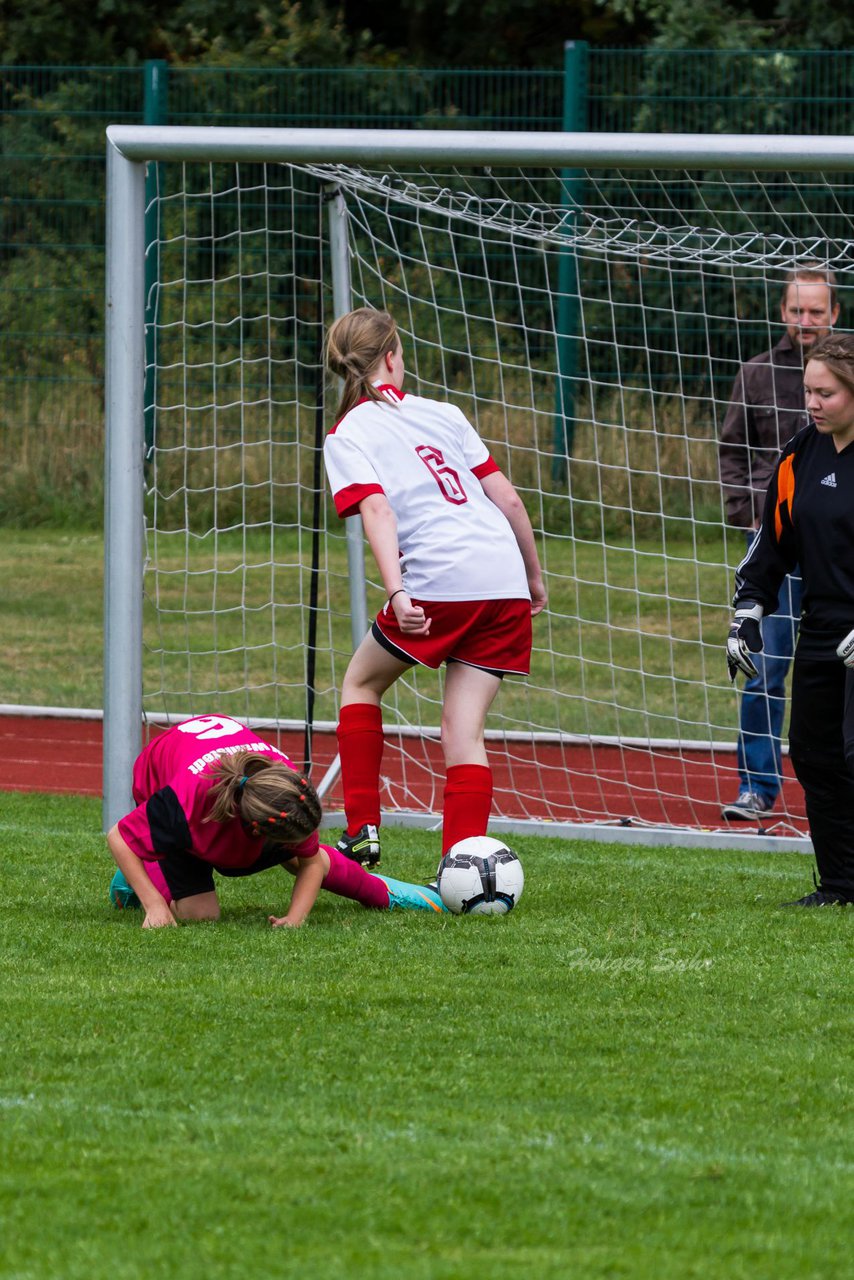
(427, 459)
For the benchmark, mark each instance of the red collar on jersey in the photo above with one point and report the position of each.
(387, 391)
(390, 392)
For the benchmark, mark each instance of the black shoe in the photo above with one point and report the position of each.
(820, 898)
(363, 847)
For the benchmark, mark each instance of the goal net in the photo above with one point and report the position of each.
(589, 321)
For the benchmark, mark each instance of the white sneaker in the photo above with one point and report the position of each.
(749, 807)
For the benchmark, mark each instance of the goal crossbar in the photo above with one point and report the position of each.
(139, 143)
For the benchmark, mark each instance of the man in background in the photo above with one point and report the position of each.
(766, 409)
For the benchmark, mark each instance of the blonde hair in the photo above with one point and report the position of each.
(273, 800)
(355, 345)
(836, 351)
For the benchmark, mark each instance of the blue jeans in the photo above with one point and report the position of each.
(763, 703)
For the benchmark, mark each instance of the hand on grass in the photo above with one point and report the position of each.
(282, 922)
(159, 917)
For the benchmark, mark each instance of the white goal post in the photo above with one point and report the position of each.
(585, 299)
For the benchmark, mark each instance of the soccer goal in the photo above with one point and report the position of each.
(586, 299)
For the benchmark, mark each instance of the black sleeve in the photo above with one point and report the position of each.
(170, 831)
(773, 552)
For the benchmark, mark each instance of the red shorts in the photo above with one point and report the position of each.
(495, 635)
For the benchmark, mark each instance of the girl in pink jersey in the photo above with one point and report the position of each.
(458, 561)
(212, 796)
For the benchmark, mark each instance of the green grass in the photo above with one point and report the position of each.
(625, 642)
(51, 623)
(642, 1071)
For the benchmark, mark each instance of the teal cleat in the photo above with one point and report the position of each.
(412, 897)
(121, 894)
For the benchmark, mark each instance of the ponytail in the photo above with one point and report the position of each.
(355, 345)
(271, 798)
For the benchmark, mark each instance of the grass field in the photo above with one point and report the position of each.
(643, 1071)
(625, 644)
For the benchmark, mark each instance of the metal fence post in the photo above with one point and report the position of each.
(574, 121)
(155, 111)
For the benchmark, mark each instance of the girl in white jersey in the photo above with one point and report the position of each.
(458, 561)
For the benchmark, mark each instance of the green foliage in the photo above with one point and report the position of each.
(500, 33)
(756, 25)
(822, 24)
(679, 24)
(283, 35)
(619, 1078)
(69, 32)
(494, 33)
(128, 31)
(53, 468)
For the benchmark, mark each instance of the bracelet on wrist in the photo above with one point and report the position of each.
(395, 593)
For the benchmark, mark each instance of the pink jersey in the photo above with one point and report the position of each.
(171, 785)
(428, 460)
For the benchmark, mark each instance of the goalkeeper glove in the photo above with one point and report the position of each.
(744, 639)
(845, 649)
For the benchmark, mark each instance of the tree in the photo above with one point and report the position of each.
(718, 24)
(483, 33)
(116, 32)
(80, 32)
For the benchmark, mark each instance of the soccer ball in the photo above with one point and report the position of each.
(480, 877)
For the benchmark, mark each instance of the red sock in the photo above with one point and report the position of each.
(360, 745)
(467, 803)
(350, 880)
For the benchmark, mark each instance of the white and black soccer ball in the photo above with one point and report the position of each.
(480, 876)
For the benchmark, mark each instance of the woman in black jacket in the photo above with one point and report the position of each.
(809, 520)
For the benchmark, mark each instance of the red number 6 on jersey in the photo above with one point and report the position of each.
(446, 477)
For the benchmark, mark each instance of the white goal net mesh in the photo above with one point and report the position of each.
(590, 325)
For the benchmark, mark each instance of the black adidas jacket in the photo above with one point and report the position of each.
(808, 520)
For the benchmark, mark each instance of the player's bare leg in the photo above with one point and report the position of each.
(371, 672)
(200, 906)
(469, 693)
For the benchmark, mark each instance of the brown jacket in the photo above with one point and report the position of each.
(766, 409)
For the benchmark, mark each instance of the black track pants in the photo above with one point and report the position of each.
(821, 744)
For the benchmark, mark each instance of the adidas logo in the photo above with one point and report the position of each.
(830, 480)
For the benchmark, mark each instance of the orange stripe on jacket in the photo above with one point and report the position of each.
(785, 493)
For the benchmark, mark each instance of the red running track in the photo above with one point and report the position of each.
(552, 781)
